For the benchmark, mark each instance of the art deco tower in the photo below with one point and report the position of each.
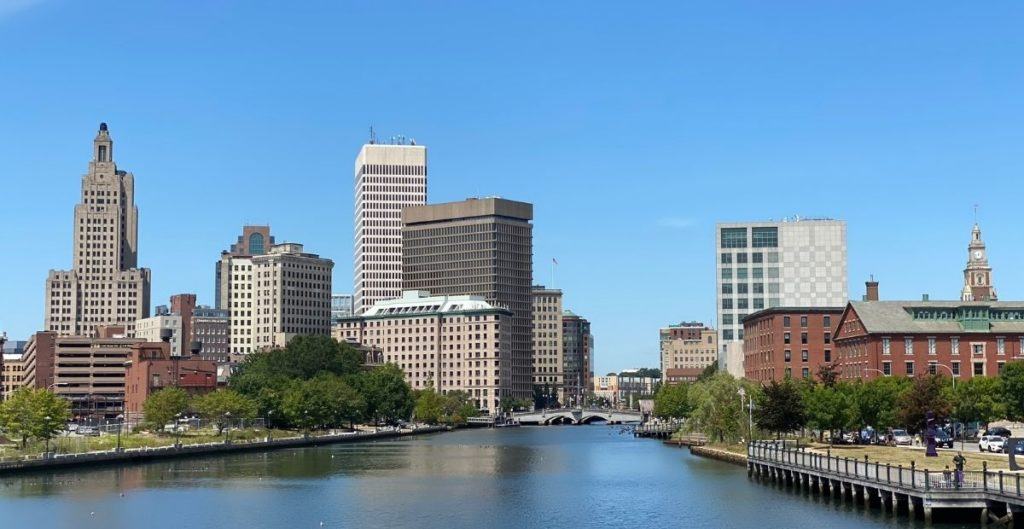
(104, 285)
(977, 274)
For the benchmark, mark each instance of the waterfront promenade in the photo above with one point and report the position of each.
(130, 455)
(997, 496)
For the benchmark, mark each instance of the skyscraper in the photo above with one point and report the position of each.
(479, 247)
(578, 362)
(388, 178)
(104, 285)
(234, 285)
(759, 265)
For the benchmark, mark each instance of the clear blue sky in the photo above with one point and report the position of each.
(632, 127)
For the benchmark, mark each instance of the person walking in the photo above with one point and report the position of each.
(958, 462)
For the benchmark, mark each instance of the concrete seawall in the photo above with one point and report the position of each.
(721, 455)
(136, 455)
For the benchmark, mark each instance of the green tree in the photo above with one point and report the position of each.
(717, 412)
(780, 407)
(164, 406)
(672, 402)
(1013, 390)
(828, 409)
(388, 397)
(458, 407)
(708, 372)
(828, 375)
(978, 399)
(874, 403)
(34, 414)
(304, 358)
(429, 406)
(324, 401)
(926, 394)
(225, 404)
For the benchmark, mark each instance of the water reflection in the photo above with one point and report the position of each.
(515, 478)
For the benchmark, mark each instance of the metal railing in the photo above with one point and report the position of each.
(911, 478)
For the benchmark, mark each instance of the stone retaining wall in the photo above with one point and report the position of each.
(721, 455)
(147, 454)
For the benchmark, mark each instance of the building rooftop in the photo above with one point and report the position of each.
(792, 310)
(414, 302)
(940, 316)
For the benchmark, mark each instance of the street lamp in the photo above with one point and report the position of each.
(177, 430)
(227, 426)
(750, 412)
(47, 419)
(120, 425)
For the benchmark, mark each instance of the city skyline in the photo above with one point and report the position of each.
(884, 165)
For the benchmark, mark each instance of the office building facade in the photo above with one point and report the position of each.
(481, 247)
(104, 285)
(388, 178)
(762, 265)
(687, 350)
(548, 360)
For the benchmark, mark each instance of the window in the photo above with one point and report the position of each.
(828, 337)
(764, 237)
(256, 244)
(727, 319)
(787, 355)
(910, 369)
(887, 368)
(786, 321)
(726, 258)
(803, 321)
(954, 344)
(741, 288)
(757, 257)
(726, 288)
(1000, 345)
(931, 345)
(932, 368)
(757, 272)
(978, 348)
(785, 338)
(979, 369)
(727, 273)
(805, 372)
(727, 303)
(789, 372)
(803, 355)
(803, 338)
(999, 366)
(742, 303)
(956, 368)
(826, 321)
(741, 273)
(828, 355)
(773, 257)
(741, 258)
(734, 237)
(727, 334)
(758, 303)
(908, 345)
(757, 288)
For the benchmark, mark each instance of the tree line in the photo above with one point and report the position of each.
(825, 403)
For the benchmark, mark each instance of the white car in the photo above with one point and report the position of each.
(991, 443)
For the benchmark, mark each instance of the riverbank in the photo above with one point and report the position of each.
(136, 455)
(720, 454)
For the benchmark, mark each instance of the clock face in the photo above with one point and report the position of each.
(977, 254)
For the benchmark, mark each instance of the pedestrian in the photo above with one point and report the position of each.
(947, 477)
(958, 462)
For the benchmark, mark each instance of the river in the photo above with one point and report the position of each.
(530, 477)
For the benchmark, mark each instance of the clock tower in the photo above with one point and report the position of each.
(978, 274)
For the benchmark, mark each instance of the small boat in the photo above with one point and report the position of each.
(506, 423)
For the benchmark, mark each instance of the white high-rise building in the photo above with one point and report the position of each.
(104, 285)
(793, 263)
(388, 178)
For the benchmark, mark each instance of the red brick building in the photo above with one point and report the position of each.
(152, 368)
(905, 338)
(785, 342)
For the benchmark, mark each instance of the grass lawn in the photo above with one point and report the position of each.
(904, 455)
(76, 444)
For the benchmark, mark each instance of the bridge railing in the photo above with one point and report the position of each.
(1000, 482)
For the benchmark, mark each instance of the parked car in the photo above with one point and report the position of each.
(991, 443)
(943, 439)
(1000, 431)
(899, 436)
(90, 431)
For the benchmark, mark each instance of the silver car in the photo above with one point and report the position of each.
(991, 443)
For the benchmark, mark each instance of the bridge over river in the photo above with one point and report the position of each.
(579, 416)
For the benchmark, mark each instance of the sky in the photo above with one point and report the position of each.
(632, 127)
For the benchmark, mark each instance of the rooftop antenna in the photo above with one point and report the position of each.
(975, 213)
(373, 136)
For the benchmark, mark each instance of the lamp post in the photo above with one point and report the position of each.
(177, 430)
(750, 412)
(227, 426)
(120, 425)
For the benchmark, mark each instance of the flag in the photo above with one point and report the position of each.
(553, 260)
